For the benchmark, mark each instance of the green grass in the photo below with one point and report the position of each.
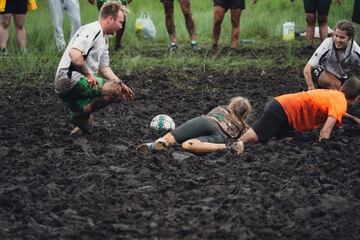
(262, 22)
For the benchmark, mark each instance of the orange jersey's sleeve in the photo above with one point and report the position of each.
(309, 110)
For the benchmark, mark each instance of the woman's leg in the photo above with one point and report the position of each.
(4, 29)
(219, 13)
(235, 22)
(19, 21)
(198, 147)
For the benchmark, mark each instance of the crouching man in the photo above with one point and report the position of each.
(76, 80)
(300, 112)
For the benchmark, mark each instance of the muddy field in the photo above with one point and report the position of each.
(53, 186)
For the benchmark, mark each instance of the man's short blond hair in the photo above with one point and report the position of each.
(112, 8)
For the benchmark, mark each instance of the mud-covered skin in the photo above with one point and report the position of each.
(53, 186)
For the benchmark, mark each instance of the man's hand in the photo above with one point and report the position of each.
(91, 80)
(126, 92)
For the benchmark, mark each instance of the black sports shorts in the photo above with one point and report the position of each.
(15, 7)
(230, 4)
(321, 7)
(273, 123)
(198, 128)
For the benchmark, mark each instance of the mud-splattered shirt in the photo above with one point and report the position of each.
(309, 110)
(93, 44)
(337, 64)
(229, 126)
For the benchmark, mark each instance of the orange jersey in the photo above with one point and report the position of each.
(309, 110)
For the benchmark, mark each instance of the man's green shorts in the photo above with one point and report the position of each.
(82, 94)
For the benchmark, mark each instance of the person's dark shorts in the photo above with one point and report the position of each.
(15, 7)
(230, 4)
(198, 128)
(316, 72)
(273, 123)
(82, 94)
(321, 7)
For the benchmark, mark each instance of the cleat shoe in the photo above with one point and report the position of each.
(173, 46)
(237, 147)
(161, 144)
(146, 148)
(195, 45)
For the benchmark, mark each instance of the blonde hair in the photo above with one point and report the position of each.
(239, 107)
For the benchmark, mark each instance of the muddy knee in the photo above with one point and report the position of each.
(329, 81)
(310, 19)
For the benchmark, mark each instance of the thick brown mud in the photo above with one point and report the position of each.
(53, 186)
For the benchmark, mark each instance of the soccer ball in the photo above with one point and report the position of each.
(162, 122)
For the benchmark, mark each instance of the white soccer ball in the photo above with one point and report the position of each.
(162, 122)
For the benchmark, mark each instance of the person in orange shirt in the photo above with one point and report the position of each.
(299, 112)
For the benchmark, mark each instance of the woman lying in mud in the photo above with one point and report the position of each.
(207, 133)
(304, 111)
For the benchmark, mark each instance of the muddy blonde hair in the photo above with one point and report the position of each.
(239, 107)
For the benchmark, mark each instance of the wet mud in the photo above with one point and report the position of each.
(53, 186)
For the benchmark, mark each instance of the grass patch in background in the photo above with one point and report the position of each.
(262, 22)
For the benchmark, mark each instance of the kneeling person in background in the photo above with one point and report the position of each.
(207, 133)
(87, 55)
(304, 111)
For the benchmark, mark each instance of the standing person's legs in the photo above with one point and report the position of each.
(19, 22)
(356, 12)
(169, 19)
(57, 13)
(4, 29)
(219, 13)
(310, 13)
(189, 21)
(235, 22)
(73, 9)
(322, 18)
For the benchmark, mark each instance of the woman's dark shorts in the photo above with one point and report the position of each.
(15, 7)
(273, 123)
(230, 4)
(321, 7)
(198, 128)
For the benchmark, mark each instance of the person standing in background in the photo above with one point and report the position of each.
(220, 8)
(316, 9)
(170, 25)
(119, 34)
(16, 9)
(356, 12)
(57, 8)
